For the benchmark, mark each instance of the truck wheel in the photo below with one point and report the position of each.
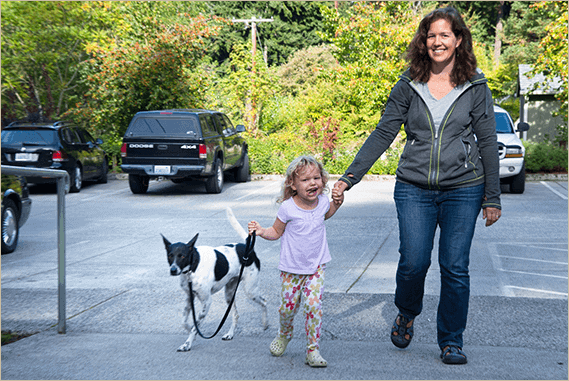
(138, 184)
(10, 228)
(242, 173)
(214, 184)
(518, 183)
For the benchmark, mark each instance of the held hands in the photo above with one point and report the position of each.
(338, 192)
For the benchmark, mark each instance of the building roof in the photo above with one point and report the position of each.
(544, 86)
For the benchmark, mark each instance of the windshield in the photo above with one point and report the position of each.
(503, 124)
(165, 126)
(30, 137)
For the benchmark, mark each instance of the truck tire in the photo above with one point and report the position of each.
(138, 184)
(214, 184)
(242, 172)
(518, 183)
(10, 226)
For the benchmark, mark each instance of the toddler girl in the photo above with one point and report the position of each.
(304, 251)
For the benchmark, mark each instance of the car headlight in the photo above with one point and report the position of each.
(514, 152)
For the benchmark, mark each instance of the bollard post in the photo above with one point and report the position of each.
(61, 254)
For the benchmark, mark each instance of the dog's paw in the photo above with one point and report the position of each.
(227, 337)
(184, 347)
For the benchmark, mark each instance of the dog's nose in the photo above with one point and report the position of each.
(174, 270)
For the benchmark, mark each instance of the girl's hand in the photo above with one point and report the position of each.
(255, 227)
(491, 215)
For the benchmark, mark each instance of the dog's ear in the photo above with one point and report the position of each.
(193, 241)
(166, 242)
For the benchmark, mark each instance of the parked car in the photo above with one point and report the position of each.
(16, 206)
(511, 150)
(183, 144)
(58, 145)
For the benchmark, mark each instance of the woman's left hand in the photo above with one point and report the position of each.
(491, 215)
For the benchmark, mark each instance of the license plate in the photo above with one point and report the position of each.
(26, 157)
(162, 169)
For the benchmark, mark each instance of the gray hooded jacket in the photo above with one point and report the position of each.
(462, 152)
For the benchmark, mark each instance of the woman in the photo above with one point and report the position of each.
(448, 171)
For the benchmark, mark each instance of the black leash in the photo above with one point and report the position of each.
(250, 244)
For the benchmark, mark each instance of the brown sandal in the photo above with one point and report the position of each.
(402, 331)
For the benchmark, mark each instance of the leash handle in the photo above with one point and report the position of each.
(248, 249)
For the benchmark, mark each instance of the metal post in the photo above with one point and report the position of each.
(62, 179)
(61, 254)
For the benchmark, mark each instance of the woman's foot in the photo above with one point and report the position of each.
(278, 345)
(402, 331)
(452, 354)
(315, 360)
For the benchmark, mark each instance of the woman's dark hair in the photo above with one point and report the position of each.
(418, 56)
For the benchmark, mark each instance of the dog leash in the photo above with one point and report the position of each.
(248, 249)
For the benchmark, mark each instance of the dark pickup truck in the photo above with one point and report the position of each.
(182, 145)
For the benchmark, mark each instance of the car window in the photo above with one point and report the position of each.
(220, 123)
(208, 127)
(229, 125)
(31, 136)
(70, 135)
(146, 126)
(86, 137)
(503, 124)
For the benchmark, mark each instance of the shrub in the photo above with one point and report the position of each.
(545, 157)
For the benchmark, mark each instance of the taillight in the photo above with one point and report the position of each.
(203, 151)
(59, 156)
(123, 150)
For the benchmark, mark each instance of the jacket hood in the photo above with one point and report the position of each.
(476, 79)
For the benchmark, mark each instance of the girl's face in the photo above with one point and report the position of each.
(308, 184)
(442, 43)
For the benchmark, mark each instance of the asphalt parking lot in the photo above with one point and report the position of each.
(124, 309)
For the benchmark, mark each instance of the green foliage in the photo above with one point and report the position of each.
(161, 71)
(545, 157)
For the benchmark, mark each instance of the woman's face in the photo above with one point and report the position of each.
(442, 43)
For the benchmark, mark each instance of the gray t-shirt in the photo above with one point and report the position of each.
(439, 107)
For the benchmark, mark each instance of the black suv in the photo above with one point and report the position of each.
(183, 144)
(16, 206)
(58, 145)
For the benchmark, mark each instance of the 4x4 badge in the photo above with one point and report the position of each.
(189, 146)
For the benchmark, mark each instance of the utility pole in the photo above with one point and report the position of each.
(253, 22)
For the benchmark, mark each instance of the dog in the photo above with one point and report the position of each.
(210, 269)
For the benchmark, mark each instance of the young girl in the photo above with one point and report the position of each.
(304, 251)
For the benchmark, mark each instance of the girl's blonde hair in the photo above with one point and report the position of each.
(293, 170)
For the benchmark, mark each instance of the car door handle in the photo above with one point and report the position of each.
(162, 147)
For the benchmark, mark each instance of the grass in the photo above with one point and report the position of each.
(10, 337)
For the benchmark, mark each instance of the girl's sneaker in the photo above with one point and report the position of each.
(315, 360)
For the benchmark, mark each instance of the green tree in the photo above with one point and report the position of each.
(41, 55)
(553, 51)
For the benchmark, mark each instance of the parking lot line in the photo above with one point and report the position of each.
(536, 260)
(553, 190)
(536, 290)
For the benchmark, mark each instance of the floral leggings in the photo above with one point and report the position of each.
(293, 287)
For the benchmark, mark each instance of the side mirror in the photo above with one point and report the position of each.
(240, 128)
(99, 141)
(523, 127)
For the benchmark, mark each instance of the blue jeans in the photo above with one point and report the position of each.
(420, 211)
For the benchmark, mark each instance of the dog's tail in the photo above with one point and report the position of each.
(235, 224)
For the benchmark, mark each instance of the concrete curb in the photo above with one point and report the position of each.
(259, 177)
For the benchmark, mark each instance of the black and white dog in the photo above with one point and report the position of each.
(210, 269)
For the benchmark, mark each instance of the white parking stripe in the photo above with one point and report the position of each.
(528, 273)
(272, 185)
(536, 290)
(553, 190)
(536, 260)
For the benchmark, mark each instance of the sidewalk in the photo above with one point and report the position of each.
(118, 340)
